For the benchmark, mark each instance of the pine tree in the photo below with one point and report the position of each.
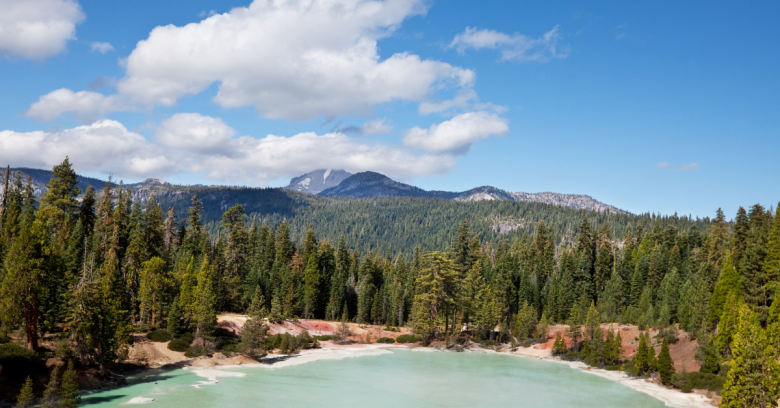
(718, 240)
(62, 188)
(543, 328)
(70, 388)
(665, 365)
(187, 293)
(51, 395)
(525, 322)
(20, 290)
(772, 260)
(205, 313)
(26, 397)
(559, 345)
(592, 323)
(728, 282)
(87, 210)
(727, 327)
(739, 241)
(436, 284)
(155, 283)
(753, 379)
(174, 318)
(311, 288)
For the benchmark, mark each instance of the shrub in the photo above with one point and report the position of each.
(698, 380)
(19, 362)
(385, 340)
(326, 337)
(180, 345)
(408, 338)
(187, 336)
(159, 336)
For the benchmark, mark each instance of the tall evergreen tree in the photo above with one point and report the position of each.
(753, 379)
(665, 365)
(62, 188)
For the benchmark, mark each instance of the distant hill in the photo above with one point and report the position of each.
(41, 178)
(370, 184)
(374, 212)
(317, 180)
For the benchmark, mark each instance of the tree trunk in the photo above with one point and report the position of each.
(31, 325)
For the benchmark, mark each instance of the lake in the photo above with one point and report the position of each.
(398, 379)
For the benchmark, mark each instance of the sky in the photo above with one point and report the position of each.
(651, 107)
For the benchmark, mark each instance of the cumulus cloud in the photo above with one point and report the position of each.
(37, 29)
(291, 59)
(102, 47)
(192, 132)
(87, 106)
(104, 146)
(196, 144)
(684, 167)
(515, 47)
(457, 135)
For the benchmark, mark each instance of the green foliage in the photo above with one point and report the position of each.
(26, 397)
(159, 336)
(559, 345)
(753, 378)
(179, 345)
(665, 365)
(19, 363)
(698, 381)
(69, 388)
(408, 338)
(644, 359)
(385, 340)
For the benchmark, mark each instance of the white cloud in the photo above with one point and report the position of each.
(87, 106)
(684, 167)
(37, 29)
(458, 134)
(195, 133)
(290, 59)
(374, 127)
(513, 47)
(102, 47)
(104, 146)
(196, 144)
(377, 127)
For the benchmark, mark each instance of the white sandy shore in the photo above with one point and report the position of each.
(669, 397)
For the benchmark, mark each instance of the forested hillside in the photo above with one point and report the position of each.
(90, 272)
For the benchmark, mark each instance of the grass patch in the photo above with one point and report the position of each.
(385, 340)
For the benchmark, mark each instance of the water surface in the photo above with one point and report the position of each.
(402, 379)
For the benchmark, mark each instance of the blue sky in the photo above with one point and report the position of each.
(661, 107)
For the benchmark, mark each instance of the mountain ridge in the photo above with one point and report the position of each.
(371, 184)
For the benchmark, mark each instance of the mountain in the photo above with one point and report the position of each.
(41, 177)
(316, 181)
(370, 184)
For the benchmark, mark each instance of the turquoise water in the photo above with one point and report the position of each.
(398, 380)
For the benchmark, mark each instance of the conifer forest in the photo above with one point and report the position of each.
(80, 271)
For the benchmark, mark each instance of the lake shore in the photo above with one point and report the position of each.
(209, 367)
(668, 396)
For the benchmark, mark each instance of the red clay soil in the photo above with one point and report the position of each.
(683, 352)
(235, 324)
